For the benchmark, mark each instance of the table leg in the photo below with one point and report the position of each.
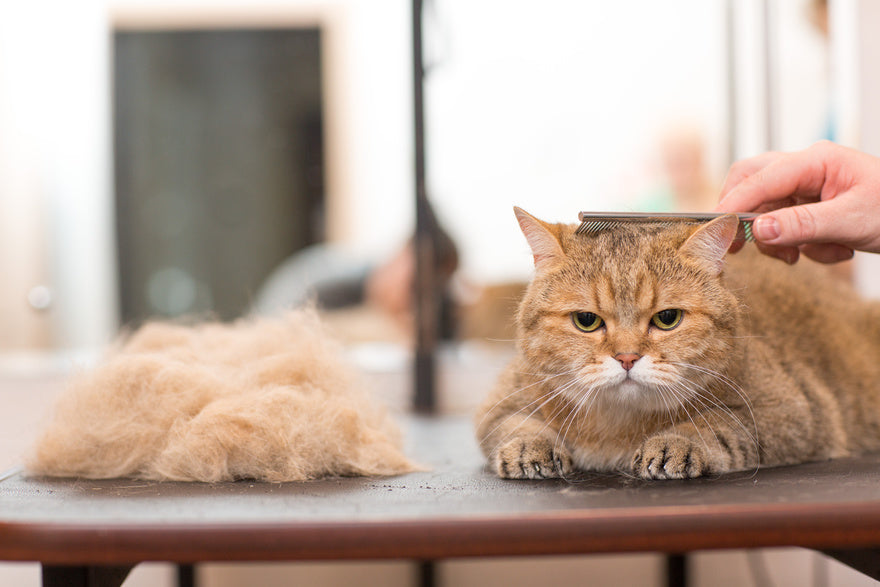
(427, 573)
(186, 575)
(676, 570)
(84, 576)
(864, 560)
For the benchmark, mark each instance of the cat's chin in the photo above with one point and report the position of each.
(631, 390)
(635, 395)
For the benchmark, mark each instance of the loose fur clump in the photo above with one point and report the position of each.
(644, 349)
(259, 399)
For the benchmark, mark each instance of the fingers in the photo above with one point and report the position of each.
(827, 252)
(746, 168)
(787, 254)
(792, 226)
(777, 179)
(823, 253)
(822, 231)
(816, 223)
(821, 201)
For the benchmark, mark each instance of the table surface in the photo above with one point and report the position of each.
(455, 509)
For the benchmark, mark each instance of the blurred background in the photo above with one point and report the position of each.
(163, 159)
(218, 158)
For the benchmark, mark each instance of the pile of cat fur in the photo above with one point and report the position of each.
(263, 399)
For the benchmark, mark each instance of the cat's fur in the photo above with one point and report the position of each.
(770, 364)
(265, 399)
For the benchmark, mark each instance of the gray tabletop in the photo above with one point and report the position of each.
(455, 508)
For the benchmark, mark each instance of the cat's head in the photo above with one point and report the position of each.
(635, 315)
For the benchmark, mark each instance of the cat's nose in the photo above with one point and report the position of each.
(627, 360)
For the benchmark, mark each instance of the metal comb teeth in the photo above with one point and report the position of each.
(595, 222)
(594, 226)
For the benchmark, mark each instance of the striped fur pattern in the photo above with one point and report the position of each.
(646, 350)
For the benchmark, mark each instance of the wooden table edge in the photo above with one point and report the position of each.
(671, 529)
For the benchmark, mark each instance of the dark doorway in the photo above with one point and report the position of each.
(219, 164)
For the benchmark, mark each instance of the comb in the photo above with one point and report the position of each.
(595, 222)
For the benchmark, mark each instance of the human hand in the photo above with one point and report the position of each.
(823, 201)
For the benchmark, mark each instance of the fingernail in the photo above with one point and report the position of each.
(765, 228)
(789, 256)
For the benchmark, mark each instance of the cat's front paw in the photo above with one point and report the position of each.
(670, 456)
(532, 458)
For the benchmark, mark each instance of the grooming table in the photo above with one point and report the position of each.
(98, 529)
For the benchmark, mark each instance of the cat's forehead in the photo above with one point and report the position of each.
(634, 266)
(628, 242)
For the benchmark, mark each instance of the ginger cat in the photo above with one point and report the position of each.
(645, 349)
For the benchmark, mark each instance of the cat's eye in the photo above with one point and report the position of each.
(586, 321)
(667, 319)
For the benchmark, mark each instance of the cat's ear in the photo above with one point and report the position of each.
(544, 244)
(709, 244)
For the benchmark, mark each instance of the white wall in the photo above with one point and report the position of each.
(54, 129)
(555, 109)
(857, 55)
(558, 110)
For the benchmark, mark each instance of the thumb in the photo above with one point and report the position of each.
(792, 226)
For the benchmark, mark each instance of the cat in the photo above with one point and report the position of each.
(646, 349)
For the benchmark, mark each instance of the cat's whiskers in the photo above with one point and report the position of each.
(546, 397)
(564, 392)
(585, 399)
(736, 421)
(593, 393)
(722, 409)
(564, 406)
(571, 404)
(552, 394)
(543, 399)
(697, 389)
(583, 404)
(685, 401)
(731, 384)
(546, 377)
(695, 401)
(709, 402)
(562, 432)
(668, 403)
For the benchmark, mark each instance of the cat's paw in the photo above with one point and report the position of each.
(670, 456)
(532, 458)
